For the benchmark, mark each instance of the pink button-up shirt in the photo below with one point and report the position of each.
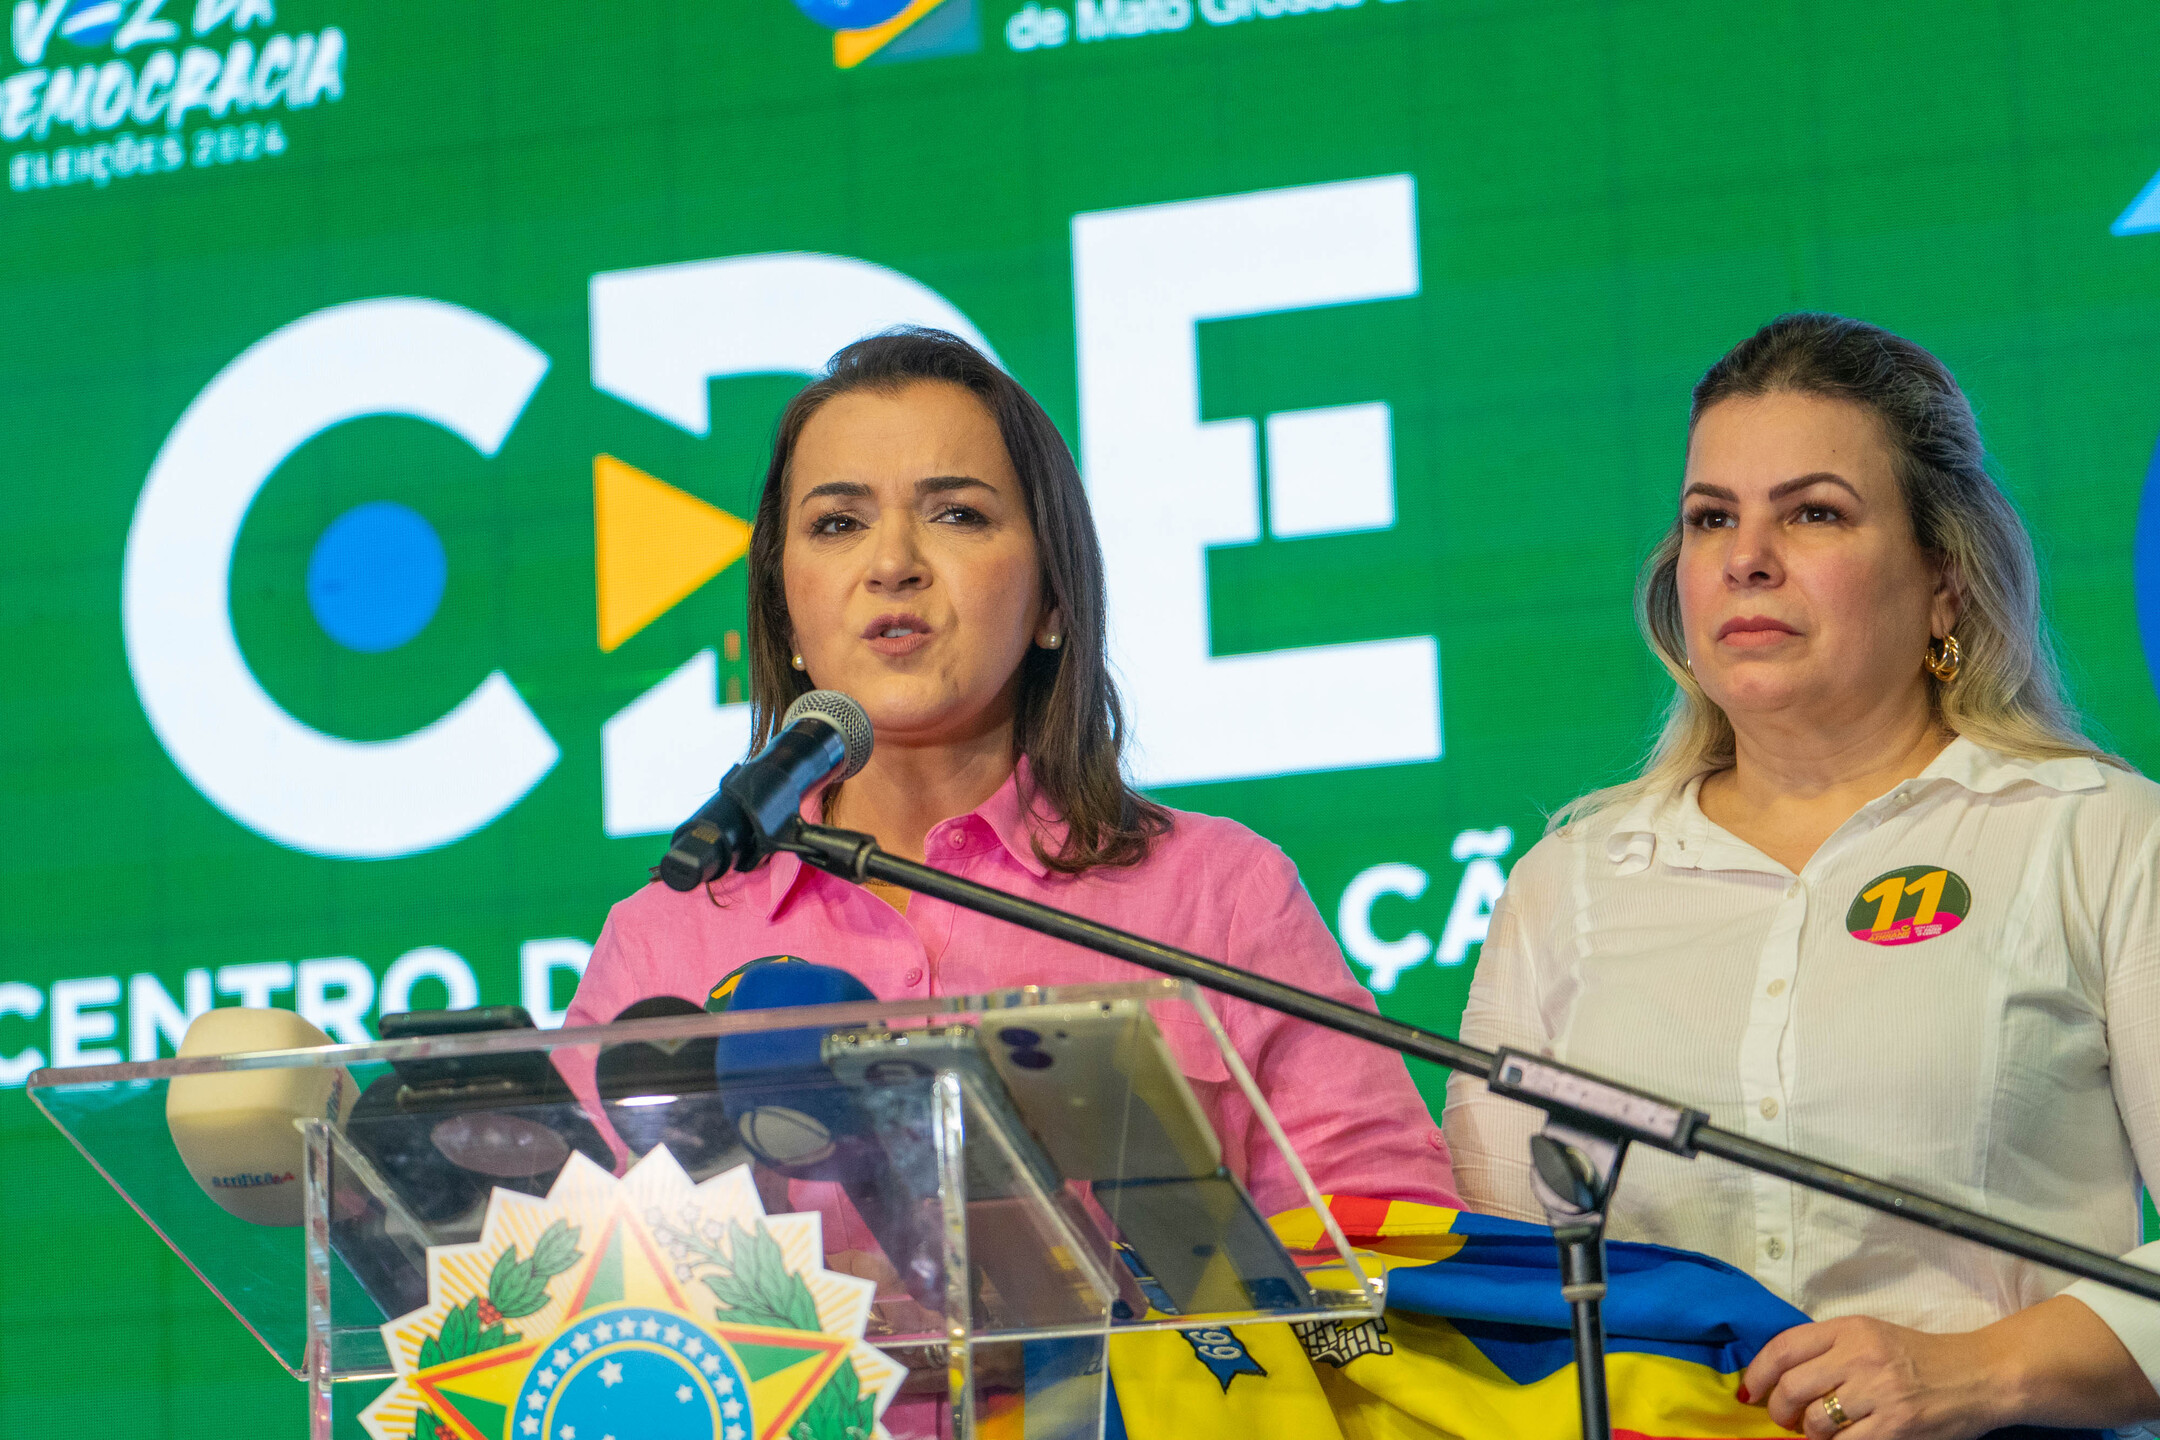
(1210, 886)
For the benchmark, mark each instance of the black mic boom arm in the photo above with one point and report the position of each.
(1573, 1098)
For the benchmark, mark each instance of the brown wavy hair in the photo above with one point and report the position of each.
(1069, 723)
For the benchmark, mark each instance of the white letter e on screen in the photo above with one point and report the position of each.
(1168, 486)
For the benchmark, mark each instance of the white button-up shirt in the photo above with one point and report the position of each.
(1959, 992)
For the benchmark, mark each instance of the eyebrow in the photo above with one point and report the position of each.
(1777, 492)
(854, 489)
(945, 484)
(930, 485)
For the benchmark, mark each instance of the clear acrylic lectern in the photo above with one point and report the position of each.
(905, 1218)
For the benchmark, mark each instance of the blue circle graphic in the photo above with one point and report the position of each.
(851, 14)
(376, 576)
(631, 1370)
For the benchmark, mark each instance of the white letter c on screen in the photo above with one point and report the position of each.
(304, 789)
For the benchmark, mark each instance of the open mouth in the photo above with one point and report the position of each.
(897, 634)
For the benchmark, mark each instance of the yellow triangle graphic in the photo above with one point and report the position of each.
(654, 545)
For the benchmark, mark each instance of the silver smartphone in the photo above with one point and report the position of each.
(886, 1068)
(1200, 1246)
(1097, 1084)
(1031, 1277)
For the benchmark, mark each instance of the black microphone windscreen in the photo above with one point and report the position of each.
(652, 1067)
(662, 1092)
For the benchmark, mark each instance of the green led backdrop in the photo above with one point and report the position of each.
(1373, 324)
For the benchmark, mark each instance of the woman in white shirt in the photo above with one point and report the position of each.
(1875, 897)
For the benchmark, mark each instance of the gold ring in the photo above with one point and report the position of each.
(1836, 1411)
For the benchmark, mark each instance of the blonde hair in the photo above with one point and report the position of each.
(2008, 694)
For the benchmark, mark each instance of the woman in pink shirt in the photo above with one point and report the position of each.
(923, 544)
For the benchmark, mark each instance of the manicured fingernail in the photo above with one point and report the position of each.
(1744, 1396)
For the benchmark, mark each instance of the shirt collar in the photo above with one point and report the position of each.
(1672, 826)
(1988, 772)
(1018, 815)
(1635, 835)
(1014, 826)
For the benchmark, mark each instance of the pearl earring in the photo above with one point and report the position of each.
(797, 661)
(1053, 641)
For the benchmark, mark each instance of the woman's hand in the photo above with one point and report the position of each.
(2056, 1363)
(1893, 1383)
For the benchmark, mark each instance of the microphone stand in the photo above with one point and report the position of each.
(1589, 1121)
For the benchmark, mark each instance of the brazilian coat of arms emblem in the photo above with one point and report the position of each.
(645, 1308)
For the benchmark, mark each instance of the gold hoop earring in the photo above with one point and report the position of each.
(797, 661)
(1943, 658)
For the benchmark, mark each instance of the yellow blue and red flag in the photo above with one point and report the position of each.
(1474, 1345)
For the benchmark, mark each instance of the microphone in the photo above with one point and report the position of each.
(234, 1129)
(824, 733)
(785, 1104)
(797, 1118)
(663, 1092)
(802, 1121)
(444, 1131)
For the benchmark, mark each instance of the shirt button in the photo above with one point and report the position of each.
(955, 838)
(1774, 1248)
(1792, 891)
(913, 976)
(1777, 987)
(1769, 1108)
